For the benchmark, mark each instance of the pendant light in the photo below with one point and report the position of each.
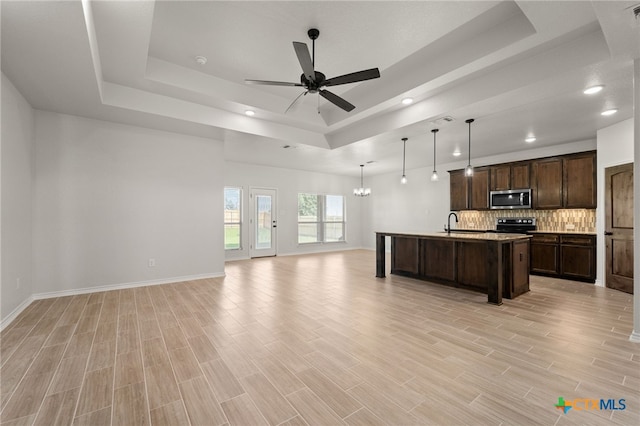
(468, 171)
(404, 157)
(362, 191)
(434, 175)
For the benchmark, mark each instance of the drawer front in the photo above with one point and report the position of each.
(578, 240)
(545, 238)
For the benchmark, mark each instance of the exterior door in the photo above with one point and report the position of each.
(263, 222)
(619, 227)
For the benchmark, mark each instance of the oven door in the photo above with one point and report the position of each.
(511, 199)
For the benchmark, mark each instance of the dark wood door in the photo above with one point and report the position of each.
(579, 181)
(619, 227)
(520, 178)
(547, 185)
(501, 178)
(458, 190)
(479, 199)
(405, 255)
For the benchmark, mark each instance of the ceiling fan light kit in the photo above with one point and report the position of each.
(315, 81)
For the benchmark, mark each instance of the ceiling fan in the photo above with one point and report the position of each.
(315, 81)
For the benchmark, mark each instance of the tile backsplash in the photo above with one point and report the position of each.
(583, 220)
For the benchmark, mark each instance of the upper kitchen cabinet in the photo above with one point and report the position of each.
(510, 176)
(520, 176)
(579, 181)
(458, 190)
(479, 194)
(547, 183)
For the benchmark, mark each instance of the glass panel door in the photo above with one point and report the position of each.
(264, 222)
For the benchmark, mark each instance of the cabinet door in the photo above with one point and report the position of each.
(577, 262)
(579, 178)
(520, 176)
(479, 199)
(544, 258)
(547, 185)
(458, 190)
(500, 178)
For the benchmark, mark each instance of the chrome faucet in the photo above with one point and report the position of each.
(448, 228)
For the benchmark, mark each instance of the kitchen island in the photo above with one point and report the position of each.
(493, 263)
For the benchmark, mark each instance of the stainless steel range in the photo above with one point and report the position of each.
(515, 225)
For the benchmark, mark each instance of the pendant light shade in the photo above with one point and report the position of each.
(403, 180)
(362, 191)
(434, 175)
(468, 171)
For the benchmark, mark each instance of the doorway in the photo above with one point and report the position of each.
(263, 222)
(619, 227)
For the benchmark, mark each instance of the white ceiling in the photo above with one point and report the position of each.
(517, 67)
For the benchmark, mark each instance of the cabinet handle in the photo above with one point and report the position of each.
(520, 257)
(608, 233)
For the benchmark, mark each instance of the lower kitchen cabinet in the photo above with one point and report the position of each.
(568, 256)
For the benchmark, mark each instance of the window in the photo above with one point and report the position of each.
(232, 218)
(321, 218)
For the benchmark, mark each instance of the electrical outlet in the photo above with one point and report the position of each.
(18, 283)
(152, 263)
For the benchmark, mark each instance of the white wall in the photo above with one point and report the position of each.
(108, 197)
(16, 154)
(422, 205)
(289, 183)
(615, 147)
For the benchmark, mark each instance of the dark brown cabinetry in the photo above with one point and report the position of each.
(479, 194)
(567, 256)
(495, 264)
(579, 181)
(545, 255)
(459, 190)
(510, 176)
(567, 181)
(547, 183)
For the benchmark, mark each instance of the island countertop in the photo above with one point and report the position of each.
(483, 236)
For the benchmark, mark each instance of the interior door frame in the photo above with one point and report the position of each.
(253, 192)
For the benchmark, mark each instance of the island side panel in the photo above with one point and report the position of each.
(380, 255)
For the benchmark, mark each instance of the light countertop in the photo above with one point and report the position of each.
(482, 236)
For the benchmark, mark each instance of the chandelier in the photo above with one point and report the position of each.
(362, 191)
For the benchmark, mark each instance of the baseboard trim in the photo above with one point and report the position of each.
(634, 337)
(17, 311)
(123, 286)
(76, 291)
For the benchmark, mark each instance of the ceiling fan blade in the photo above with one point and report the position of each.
(273, 83)
(353, 77)
(336, 100)
(296, 100)
(302, 51)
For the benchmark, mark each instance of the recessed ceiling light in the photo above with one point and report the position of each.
(530, 139)
(250, 113)
(457, 153)
(609, 112)
(592, 90)
(407, 101)
(201, 60)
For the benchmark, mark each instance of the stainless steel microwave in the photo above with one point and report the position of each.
(510, 199)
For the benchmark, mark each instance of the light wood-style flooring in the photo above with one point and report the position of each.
(318, 340)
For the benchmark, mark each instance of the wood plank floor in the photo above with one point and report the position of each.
(318, 340)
